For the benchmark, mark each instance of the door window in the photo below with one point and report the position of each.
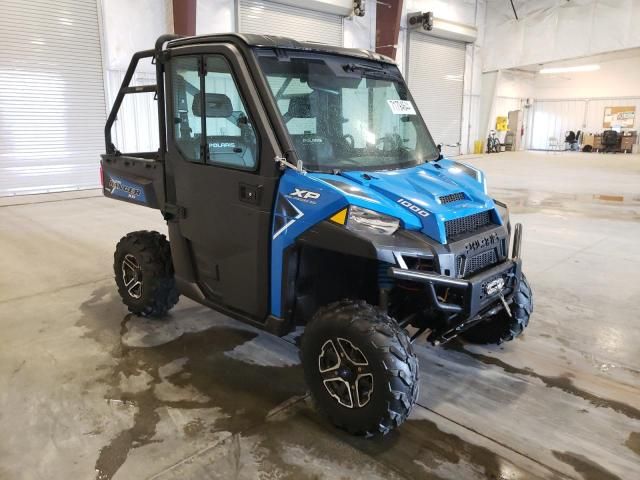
(231, 138)
(186, 112)
(211, 122)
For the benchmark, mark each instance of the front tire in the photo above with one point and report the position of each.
(360, 367)
(144, 273)
(502, 327)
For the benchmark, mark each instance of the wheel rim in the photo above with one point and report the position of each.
(132, 276)
(346, 373)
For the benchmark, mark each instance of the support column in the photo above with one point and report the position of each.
(184, 17)
(388, 16)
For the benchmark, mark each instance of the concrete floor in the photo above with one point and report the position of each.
(87, 391)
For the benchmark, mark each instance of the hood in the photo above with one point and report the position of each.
(433, 193)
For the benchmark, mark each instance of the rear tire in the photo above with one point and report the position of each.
(502, 328)
(144, 273)
(360, 367)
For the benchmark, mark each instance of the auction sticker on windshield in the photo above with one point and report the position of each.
(401, 107)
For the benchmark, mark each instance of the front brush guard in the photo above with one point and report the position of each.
(477, 304)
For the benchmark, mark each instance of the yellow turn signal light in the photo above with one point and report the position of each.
(340, 218)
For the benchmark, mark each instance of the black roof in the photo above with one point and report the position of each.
(273, 41)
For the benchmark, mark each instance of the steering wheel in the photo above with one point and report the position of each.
(349, 140)
(388, 143)
(346, 144)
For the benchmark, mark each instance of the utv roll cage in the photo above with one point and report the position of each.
(157, 88)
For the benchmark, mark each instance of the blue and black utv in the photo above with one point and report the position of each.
(301, 186)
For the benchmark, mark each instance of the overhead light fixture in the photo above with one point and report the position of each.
(579, 68)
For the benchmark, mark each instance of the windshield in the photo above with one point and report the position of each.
(346, 113)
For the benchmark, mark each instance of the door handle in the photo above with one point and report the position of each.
(250, 193)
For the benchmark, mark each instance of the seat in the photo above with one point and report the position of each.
(230, 150)
(553, 144)
(572, 139)
(313, 150)
(609, 141)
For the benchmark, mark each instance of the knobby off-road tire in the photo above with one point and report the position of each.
(144, 273)
(377, 359)
(503, 328)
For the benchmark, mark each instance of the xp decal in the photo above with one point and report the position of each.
(304, 195)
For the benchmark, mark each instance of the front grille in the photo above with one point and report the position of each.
(480, 261)
(453, 197)
(466, 266)
(469, 224)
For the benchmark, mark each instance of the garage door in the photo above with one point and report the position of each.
(272, 18)
(436, 71)
(52, 109)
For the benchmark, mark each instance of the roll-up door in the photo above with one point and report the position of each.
(435, 76)
(52, 108)
(272, 18)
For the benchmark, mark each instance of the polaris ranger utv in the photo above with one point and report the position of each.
(301, 186)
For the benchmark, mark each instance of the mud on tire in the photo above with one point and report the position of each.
(384, 351)
(503, 328)
(144, 273)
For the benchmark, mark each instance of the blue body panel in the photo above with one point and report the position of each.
(411, 195)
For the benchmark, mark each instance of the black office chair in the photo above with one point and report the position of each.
(609, 141)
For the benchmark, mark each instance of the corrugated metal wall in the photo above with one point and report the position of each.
(552, 118)
(435, 77)
(272, 18)
(52, 107)
(595, 111)
(504, 105)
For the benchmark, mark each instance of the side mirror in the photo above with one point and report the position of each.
(440, 156)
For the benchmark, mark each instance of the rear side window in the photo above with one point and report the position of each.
(211, 122)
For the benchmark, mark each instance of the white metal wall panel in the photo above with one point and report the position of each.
(554, 118)
(436, 74)
(52, 109)
(271, 18)
(595, 112)
(504, 105)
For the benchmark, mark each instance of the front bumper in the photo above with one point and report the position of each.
(473, 290)
(482, 295)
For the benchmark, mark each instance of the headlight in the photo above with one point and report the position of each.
(368, 221)
(474, 173)
(503, 211)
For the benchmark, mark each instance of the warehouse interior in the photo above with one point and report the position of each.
(541, 96)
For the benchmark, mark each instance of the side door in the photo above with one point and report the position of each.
(221, 166)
